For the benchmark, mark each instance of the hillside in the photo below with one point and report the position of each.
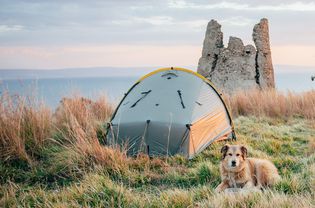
(55, 159)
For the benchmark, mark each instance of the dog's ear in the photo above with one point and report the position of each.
(224, 150)
(244, 151)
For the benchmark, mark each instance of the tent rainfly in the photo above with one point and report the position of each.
(170, 111)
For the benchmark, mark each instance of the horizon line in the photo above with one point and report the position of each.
(140, 67)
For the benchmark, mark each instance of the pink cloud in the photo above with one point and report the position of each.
(131, 55)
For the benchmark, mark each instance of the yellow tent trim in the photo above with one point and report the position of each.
(179, 69)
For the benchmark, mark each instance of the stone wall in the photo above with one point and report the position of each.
(237, 66)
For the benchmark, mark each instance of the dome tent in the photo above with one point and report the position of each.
(170, 111)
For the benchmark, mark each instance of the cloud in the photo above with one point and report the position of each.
(294, 55)
(152, 20)
(222, 5)
(237, 21)
(132, 55)
(294, 6)
(168, 23)
(9, 28)
(47, 24)
(101, 55)
(156, 20)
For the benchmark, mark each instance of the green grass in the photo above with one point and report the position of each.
(62, 177)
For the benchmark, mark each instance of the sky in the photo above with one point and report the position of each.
(125, 33)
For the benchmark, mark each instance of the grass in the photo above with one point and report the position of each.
(55, 159)
(25, 126)
(273, 104)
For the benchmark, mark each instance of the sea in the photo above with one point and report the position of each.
(52, 90)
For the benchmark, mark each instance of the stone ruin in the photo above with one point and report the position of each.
(237, 67)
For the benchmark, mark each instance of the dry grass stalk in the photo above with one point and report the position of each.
(24, 127)
(84, 111)
(272, 103)
(80, 119)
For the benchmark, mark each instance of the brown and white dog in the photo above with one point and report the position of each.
(238, 171)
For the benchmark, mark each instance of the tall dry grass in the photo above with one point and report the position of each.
(24, 126)
(84, 112)
(80, 121)
(272, 103)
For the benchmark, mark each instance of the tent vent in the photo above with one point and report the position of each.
(169, 75)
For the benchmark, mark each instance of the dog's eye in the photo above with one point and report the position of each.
(237, 155)
(230, 154)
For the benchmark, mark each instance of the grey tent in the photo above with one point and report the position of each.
(170, 111)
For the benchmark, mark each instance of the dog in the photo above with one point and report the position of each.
(238, 171)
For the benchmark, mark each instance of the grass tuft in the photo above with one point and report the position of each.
(273, 103)
(25, 125)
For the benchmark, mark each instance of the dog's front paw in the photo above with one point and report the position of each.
(221, 187)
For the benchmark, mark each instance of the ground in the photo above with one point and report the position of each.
(65, 177)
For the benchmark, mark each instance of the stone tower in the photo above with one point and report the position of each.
(236, 66)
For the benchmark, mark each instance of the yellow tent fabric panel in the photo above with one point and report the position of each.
(207, 128)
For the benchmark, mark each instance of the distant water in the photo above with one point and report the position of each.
(52, 90)
(297, 82)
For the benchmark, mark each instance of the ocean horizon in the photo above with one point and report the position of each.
(51, 90)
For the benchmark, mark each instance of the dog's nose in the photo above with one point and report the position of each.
(233, 163)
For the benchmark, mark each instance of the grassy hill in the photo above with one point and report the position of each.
(54, 159)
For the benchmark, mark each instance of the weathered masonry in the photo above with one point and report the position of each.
(237, 66)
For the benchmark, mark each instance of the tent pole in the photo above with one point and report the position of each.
(112, 131)
(169, 133)
(185, 136)
(143, 136)
(192, 141)
(233, 135)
